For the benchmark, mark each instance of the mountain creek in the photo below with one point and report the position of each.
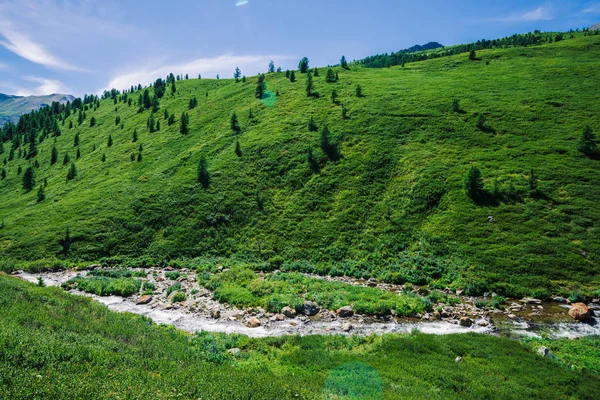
(520, 318)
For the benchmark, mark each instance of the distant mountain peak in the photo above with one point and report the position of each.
(12, 107)
(595, 27)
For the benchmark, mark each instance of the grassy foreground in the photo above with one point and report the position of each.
(54, 345)
(392, 206)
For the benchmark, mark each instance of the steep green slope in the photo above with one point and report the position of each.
(48, 351)
(12, 107)
(392, 207)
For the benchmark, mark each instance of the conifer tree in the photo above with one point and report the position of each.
(28, 179)
(260, 86)
(238, 149)
(233, 123)
(117, 120)
(139, 157)
(587, 143)
(11, 154)
(312, 126)
(78, 154)
(472, 55)
(40, 194)
(473, 183)
(171, 120)
(135, 135)
(316, 72)
(166, 115)
(92, 121)
(203, 176)
(344, 63)
(532, 181)
(66, 159)
(3, 174)
(329, 148)
(330, 76)
(287, 74)
(244, 79)
(109, 142)
(312, 162)
(271, 67)
(184, 123)
(334, 96)
(76, 140)
(173, 88)
(237, 74)
(292, 76)
(303, 65)
(103, 157)
(358, 91)
(309, 84)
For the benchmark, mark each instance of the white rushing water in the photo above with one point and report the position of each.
(195, 322)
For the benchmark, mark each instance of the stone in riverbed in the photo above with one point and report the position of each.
(288, 312)
(559, 299)
(345, 312)
(465, 321)
(580, 312)
(311, 308)
(543, 351)
(347, 327)
(144, 299)
(253, 322)
(530, 300)
(215, 314)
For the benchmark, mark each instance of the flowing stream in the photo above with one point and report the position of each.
(552, 322)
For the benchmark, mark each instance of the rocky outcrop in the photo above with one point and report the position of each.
(345, 312)
(288, 312)
(465, 321)
(580, 312)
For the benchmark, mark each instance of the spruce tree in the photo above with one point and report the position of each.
(109, 142)
(238, 149)
(28, 179)
(287, 74)
(3, 174)
(316, 72)
(78, 154)
(330, 76)
(184, 122)
(171, 120)
(358, 91)
(587, 143)
(472, 55)
(139, 157)
(151, 123)
(312, 126)
(76, 140)
(260, 87)
(117, 120)
(309, 84)
(271, 66)
(237, 74)
(135, 135)
(481, 121)
(292, 76)
(203, 176)
(92, 121)
(532, 181)
(40, 194)
(103, 159)
(312, 162)
(473, 183)
(344, 63)
(66, 159)
(303, 65)
(334, 96)
(233, 123)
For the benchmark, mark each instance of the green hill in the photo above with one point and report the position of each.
(12, 107)
(391, 206)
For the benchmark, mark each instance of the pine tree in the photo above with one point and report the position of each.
(303, 65)
(312, 162)
(237, 74)
(109, 141)
(103, 157)
(260, 87)
(309, 84)
(233, 123)
(40, 194)
(184, 122)
(132, 157)
(28, 179)
(472, 55)
(173, 88)
(139, 157)
(287, 74)
(481, 121)
(330, 76)
(166, 115)
(278, 70)
(334, 96)
(117, 120)
(271, 67)
(329, 148)
(70, 124)
(92, 121)
(587, 143)
(78, 154)
(292, 76)
(312, 126)
(135, 135)
(473, 183)
(344, 63)
(203, 176)
(151, 123)
(3, 174)
(238, 149)
(244, 79)
(171, 120)
(316, 71)
(358, 91)
(66, 159)
(344, 112)
(76, 140)
(532, 181)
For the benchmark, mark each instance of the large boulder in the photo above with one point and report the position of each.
(288, 312)
(144, 299)
(580, 312)
(253, 322)
(311, 308)
(345, 312)
(465, 321)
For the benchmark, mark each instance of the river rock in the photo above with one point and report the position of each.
(543, 351)
(465, 321)
(530, 300)
(215, 314)
(579, 312)
(458, 359)
(144, 299)
(460, 292)
(559, 299)
(253, 322)
(310, 308)
(347, 327)
(234, 352)
(288, 312)
(345, 312)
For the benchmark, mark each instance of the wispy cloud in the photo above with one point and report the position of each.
(4, 67)
(591, 8)
(43, 86)
(208, 67)
(541, 13)
(23, 46)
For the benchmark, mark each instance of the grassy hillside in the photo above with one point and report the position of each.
(47, 351)
(393, 206)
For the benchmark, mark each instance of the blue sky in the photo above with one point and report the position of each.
(77, 47)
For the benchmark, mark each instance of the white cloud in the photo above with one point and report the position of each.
(209, 67)
(542, 13)
(25, 47)
(44, 86)
(593, 8)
